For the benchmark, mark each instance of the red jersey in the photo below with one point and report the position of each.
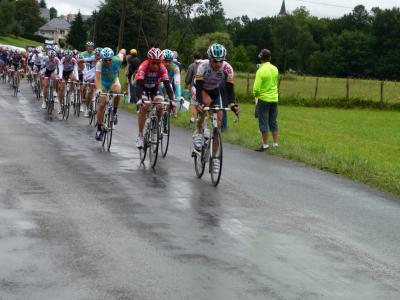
(151, 79)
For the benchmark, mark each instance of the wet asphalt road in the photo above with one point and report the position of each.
(80, 223)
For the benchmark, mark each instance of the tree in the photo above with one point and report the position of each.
(43, 4)
(202, 43)
(77, 36)
(53, 13)
(211, 17)
(27, 13)
(7, 12)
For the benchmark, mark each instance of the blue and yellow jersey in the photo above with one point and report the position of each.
(109, 74)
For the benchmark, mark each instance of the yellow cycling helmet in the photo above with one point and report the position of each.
(133, 51)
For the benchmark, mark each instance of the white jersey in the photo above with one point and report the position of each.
(212, 79)
(37, 59)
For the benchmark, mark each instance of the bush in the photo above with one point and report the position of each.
(34, 37)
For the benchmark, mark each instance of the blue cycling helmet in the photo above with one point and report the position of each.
(107, 53)
(168, 54)
(216, 52)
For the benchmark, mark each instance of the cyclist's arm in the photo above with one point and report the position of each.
(230, 92)
(61, 69)
(76, 72)
(199, 88)
(168, 87)
(139, 87)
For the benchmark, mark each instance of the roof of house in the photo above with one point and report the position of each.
(45, 13)
(56, 23)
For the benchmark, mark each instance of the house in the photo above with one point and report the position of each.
(55, 29)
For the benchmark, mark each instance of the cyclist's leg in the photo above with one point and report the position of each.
(206, 102)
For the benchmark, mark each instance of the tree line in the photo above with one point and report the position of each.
(22, 17)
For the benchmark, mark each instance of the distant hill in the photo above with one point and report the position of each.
(17, 41)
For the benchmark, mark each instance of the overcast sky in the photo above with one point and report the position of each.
(252, 8)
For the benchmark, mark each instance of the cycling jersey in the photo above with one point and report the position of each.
(67, 67)
(212, 79)
(51, 64)
(109, 74)
(174, 76)
(37, 59)
(90, 64)
(150, 81)
(16, 60)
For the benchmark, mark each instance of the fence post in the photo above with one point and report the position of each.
(382, 98)
(248, 83)
(347, 89)
(316, 88)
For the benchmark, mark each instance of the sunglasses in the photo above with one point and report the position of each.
(155, 62)
(217, 61)
(107, 59)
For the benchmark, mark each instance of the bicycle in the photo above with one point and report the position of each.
(37, 85)
(108, 119)
(16, 80)
(68, 92)
(93, 109)
(165, 129)
(77, 99)
(50, 96)
(151, 132)
(211, 150)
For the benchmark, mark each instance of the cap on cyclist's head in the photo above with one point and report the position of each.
(168, 55)
(155, 54)
(216, 52)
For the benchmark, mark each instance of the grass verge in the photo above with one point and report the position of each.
(361, 144)
(17, 41)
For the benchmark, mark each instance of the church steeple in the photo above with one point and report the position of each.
(283, 9)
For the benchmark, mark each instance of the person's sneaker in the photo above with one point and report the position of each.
(262, 148)
(44, 104)
(115, 117)
(275, 145)
(197, 141)
(82, 109)
(99, 135)
(139, 141)
(216, 164)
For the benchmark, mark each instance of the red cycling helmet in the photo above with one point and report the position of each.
(155, 54)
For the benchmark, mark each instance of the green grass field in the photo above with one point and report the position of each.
(328, 88)
(17, 41)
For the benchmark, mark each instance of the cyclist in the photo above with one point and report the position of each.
(150, 73)
(89, 53)
(209, 76)
(107, 71)
(68, 70)
(37, 61)
(174, 76)
(51, 63)
(16, 62)
(89, 76)
(189, 84)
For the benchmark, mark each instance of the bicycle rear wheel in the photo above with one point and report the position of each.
(91, 112)
(78, 102)
(67, 104)
(50, 101)
(154, 141)
(216, 157)
(165, 132)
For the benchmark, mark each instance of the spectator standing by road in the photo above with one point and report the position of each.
(265, 90)
(133, 64)
(189, 84)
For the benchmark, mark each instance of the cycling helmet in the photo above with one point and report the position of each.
(107, 53)
(89, 43)
(168, 54)
(217, 52)
(155, 54)
(98, 51)
(52, 53)
(49, 47)
(68, 53)
(56, 48)
(133, 51)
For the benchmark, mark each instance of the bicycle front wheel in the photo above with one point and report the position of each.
(216, 157)
(67, 104)
(165, 132)
(110, 127)
(153, 142)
